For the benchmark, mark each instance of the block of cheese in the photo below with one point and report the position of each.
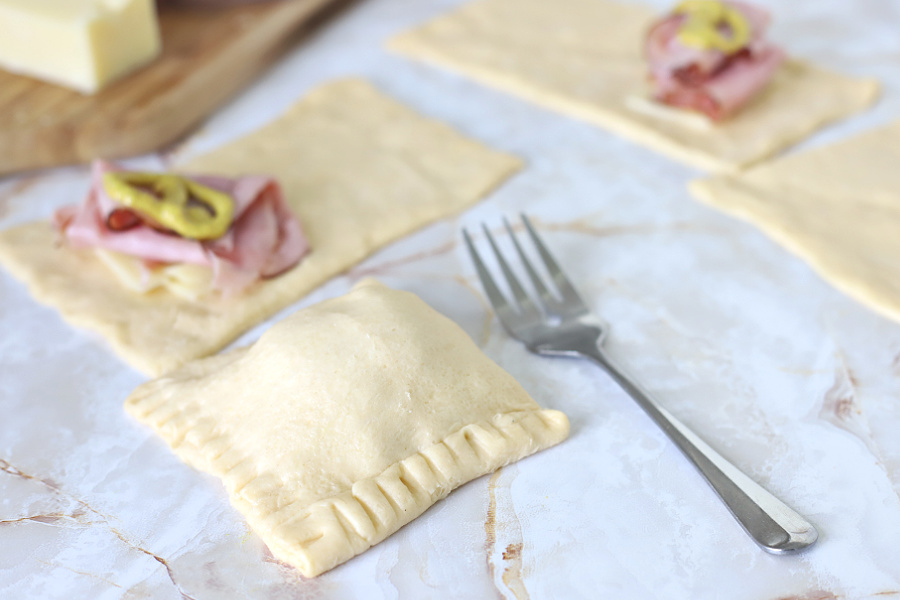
(81, 44)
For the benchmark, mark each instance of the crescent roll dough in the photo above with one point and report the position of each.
(585, 59)
(358, 168)
(837, 207)
(346, 421)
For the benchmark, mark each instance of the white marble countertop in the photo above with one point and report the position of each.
(796, 383)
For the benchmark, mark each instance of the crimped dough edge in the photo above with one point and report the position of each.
(317, 537)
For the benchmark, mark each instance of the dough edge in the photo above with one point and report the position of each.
(319, 536)
(710, 191)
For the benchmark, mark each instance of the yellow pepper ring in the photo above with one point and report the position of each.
(169, 205)
(702, 29)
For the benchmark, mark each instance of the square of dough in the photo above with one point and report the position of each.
(837, 207)
(358, 168)
(346, 421)
(585, 58)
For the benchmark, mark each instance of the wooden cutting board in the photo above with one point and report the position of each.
(208, 55)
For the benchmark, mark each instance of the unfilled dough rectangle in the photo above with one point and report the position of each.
(584, 58)
(837, 207)
(359, 169)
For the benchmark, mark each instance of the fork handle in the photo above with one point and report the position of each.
(770, 522)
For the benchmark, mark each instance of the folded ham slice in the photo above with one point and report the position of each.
(264, 240)
(708, 80)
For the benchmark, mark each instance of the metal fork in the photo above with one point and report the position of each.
(564, 326)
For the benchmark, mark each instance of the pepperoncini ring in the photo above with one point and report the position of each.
(703, 27)
(166, 199)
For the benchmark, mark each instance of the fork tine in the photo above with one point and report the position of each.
(526, 304)
(536, 280)
(565, 287)
(498, 300)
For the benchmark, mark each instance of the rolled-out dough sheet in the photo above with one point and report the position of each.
(359, 169)
(584, 58)
(346, 421)
(837, 207)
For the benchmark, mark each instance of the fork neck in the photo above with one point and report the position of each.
(595, 353)
(592, 350)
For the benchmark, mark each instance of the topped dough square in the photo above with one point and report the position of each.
(346, 421)
(584, 58)
(358, 168)
(837, 207)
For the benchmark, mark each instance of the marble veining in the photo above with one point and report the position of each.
(790, 379)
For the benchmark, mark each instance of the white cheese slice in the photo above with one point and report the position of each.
(186, 281)
(647, 106)
(81, 44)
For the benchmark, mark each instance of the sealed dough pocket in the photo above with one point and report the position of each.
(346, 421)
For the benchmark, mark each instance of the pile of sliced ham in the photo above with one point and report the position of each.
(264, 240)
(708, 80)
